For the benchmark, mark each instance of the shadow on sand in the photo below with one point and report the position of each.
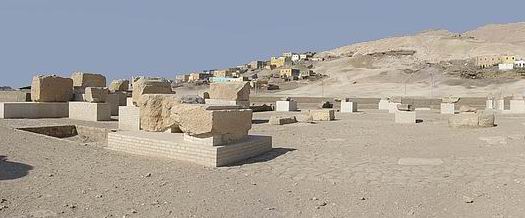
(268, 156)
(12, 170)
(259, 121)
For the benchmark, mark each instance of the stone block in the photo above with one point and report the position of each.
(14, 96)
(348, 107)
(89, 111)
(384, 104)
(33, 110)
(129, 118)
(405, 117)
(392, 107)
(232, 91)
(83, 80)
(486, 118)
(150, 86)
(244, 104)
(447, 108)
(405, 107)
(517, 106)
(322, 115)
(155, 112)
(119, 85)
(129, 101)
(174, 146)
(51, 89)
(490, 104)
(282, 120)
(115, 100)
(450, 100)
(286, 106)
(96, 94)
(500, 104)
(472, 120)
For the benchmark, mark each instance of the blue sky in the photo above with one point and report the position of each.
(121, 38)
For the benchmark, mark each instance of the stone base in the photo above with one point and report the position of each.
(384, 104)
(447, 108)
(216, 140)
(173, 145)
(405, 117)
(89, 111)
(392, 107)
(322, 115)
(116, 100)
(500, 105)
(227, 103)
(348, 107)
(129, 118)
(286, 106)
(33, 110)
(517, 106)
(489, 104)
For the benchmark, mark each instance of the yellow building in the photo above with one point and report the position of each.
(289, 73)
(222, 73)
(493, 60)
(280, 61)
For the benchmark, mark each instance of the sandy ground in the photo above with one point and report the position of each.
(355, 166)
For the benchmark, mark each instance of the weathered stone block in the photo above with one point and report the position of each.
(280, 120)
(447, 108)
(89, 111)
(149, 86)
(33, 110)
(115, 100)
(472, 120)
(490, 104)
(384, 104)
(83, 80)
(405, 107)
(129, 118)
(119, 85)
(233, 91)
(450, 100)
(51, 89)
(155, 112)
(348, 107)
(392, 107)
(96, 94)
(486, 118)
(322, 115)
(405, 117)
(286, 106)
(517, 106)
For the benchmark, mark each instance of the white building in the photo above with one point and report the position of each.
(519, 64)
(296, 57)
(505, 66)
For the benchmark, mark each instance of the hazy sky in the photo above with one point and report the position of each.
(121, 38)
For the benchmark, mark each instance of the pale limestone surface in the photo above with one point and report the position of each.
(447, 108)
(282, 120)
(96, 94)
(405, 117)
(149, 86)
(119, 85)
(450, 99)
(155, 112)
(286, 105)
(323, 115)
(233, 91)
(33, 110)
(89, 111)
(51, 89)
(484, 118)
(82, 80)
(348, 107)
(129, 118)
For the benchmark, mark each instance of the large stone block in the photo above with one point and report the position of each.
(472, 120)
(392, 107)
(89, 111)
(150, 86)
(33, 110)
(447, 108)
(233, 91)
(450, 99)
(348, 107)
(282, 120)
(115, 100)
(286, 106)
(384, 104)
(119, 85)
(155, 112)
(500, 104)
(83, 80)
(517, 106)
(322, 115)
(129, 118)
(51, 89)
(96, 94)
(15, 96)
(490, 104)
(405, 117)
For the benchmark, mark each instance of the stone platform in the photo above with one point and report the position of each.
(33, 110)
(89, 111)
(173, 145)
(285, 106)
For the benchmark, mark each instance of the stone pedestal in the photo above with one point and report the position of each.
(129, 118)
(33, 110)
(286, 106)
(500, 105)
(447, 108)
(227, 102)
(89, 111)
(348, 107)
(384, 104)
(405, 117)
(517, 106)
(322, 115)
(115, 100)
(392, 107)
(173, 145)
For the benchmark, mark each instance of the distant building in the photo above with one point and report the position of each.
(508, 59)
(222, 73)
(280, 61)
(505, 66)
(182, 78)
(257, 64)
(494, 60)
(519, 64)
(306, 74)
(288, 54)
(289, 73)
(194, 77)
(228, 79)
(296, 57)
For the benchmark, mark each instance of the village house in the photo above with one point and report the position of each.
(289, 73)
(288, 54)
(194, 77)
(182, 78)
(495, 60)
(257, 64)
(519, 64)
(280, 61)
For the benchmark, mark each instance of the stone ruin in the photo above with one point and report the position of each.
(51, 88)
(448, 105)
(231, 93)
(119, 85)
(450, 99)
(83, 80)
(326, 105)
(470, 117)
(150, 86)
(96, 94)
